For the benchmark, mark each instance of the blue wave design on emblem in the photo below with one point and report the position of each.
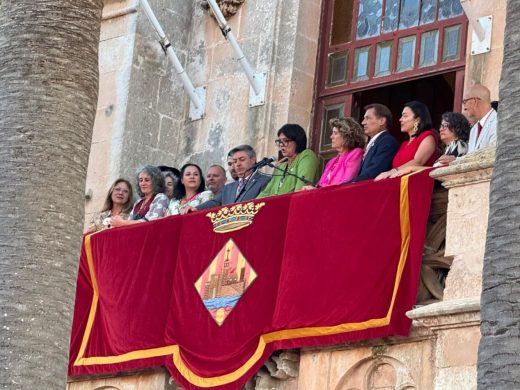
(217, 303)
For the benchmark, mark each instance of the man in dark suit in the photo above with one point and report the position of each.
(249, 184)
(382, 147)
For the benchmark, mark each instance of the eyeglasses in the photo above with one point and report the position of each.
(464, 101)
(445, 125)
(282, 141)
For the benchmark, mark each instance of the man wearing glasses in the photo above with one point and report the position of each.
(477, 105)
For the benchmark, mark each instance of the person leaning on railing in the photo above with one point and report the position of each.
(299, 161)
(153, 203)
(348, 139)
(421, 148)
(454, 133)
(117, 203)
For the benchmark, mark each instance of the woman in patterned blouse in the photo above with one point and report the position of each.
(118, 202)
(153, 203)
(189, 190)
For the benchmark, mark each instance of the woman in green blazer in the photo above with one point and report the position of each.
(297, 159)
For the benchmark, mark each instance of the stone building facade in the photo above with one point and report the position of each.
(142, 118)
(143, 111)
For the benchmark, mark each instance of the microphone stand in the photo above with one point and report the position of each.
(287, 172)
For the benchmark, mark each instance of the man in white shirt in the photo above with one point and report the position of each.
(477, 105)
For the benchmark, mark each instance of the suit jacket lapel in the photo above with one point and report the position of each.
(372, 149)
(250, 183)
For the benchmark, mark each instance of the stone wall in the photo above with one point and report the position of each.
(142, 118)
(115, 66)
(482, 68)
(143, 109)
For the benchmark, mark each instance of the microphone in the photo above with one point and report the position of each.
(263, 162)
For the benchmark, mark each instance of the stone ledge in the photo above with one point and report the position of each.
(473, 168)
(447, 314)
(417, 333)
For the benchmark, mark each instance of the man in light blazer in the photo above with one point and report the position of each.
(477, 104)
(249, 184)
(382, 147)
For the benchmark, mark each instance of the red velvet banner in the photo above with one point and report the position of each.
(313, 268)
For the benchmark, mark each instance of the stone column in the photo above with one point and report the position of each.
(455, 321)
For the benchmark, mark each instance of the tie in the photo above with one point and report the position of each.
(240, 187)
(479, 129)
(369, 146)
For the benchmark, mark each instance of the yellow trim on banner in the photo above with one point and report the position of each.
(134, 355)
(93, 305)
(265, 339)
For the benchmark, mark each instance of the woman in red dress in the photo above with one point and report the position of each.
(421, 148)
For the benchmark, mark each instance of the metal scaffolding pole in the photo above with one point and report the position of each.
(257, 81)
(197, 95)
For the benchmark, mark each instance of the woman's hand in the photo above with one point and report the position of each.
(384, 175)
(116, 221)
(445, 160)
(307, 188)
(187, 209)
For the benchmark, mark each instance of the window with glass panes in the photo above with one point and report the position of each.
(365, 43)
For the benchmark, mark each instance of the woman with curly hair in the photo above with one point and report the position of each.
(348, 140)
(153, 203)
(454, 133)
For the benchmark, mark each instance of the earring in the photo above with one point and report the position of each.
(415, 127)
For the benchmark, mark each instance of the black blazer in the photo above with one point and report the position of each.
(379, 157)
(228, 195)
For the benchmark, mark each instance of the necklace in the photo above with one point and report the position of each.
(143, 207)
(185, 200)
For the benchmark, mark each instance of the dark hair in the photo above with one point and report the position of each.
(295, 133)
(179, 190)
(127, 207)
(156, 177)
(420, 111)
(351, 132)
(171, 175)
(458, 124)
(382, 111)
(243, 148)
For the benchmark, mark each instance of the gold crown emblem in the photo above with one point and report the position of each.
(229, 219)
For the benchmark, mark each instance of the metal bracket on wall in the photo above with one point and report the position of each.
(258, 99)
(481, 26)
(482, 44)
(198, 113)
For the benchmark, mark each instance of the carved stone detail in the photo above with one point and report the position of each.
(278, 372)
(377, 372)
(228, 7)
(284, 366)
